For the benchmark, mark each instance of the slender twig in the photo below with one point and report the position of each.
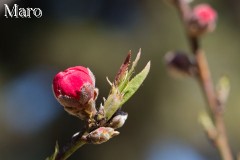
(215, 108)
(71, 150)
(76, 143)
(221, 139)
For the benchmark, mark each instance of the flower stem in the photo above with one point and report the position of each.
(215, 108)
(71, 150)
(76, 143)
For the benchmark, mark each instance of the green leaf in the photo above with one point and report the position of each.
(56, 151)
(135, 83)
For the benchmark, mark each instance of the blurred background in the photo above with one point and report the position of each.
(163, 114)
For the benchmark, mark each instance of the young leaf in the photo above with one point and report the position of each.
(223, 89)
(208, 125)
(123, 70)
(129, 73)
(134, 64)
(135, 83)
(56, 151)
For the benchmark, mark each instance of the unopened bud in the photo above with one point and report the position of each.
(74, 88)
(101, 135)
(203, 20)
(118, 120)
(180, 64)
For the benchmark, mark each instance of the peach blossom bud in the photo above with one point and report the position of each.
(74, 88)
(203, 19)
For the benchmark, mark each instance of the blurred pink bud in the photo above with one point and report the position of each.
(203, 19)
(205, 14)
(74, 88)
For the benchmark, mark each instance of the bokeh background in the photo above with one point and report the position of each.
(163, 114)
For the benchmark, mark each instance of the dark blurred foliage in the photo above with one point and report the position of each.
(163, 114)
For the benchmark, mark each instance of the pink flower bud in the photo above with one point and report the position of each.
(203, 20)
(205, 14)
(74, 88)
